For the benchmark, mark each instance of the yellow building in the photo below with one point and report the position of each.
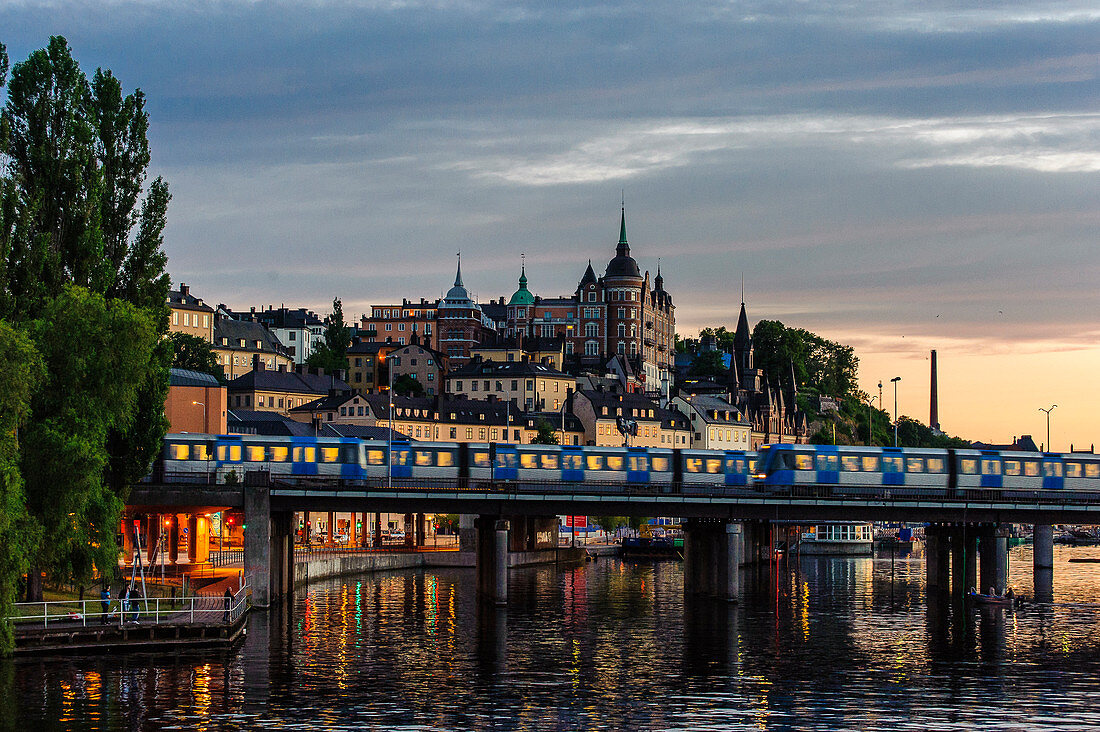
(190, 314)
(530, 386)
(283, 389)
(239, 344)
(602, 413)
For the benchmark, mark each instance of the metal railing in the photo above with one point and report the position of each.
(226, 557)
(207, 609)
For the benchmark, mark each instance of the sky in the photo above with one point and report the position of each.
(896, 175)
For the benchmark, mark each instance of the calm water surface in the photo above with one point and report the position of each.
(823, 643)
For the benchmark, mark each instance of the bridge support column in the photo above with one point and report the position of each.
(993, 551)
(964, 562)
(377, 531)
(492, 559)
(937, 549)
(257, 543)
(467, 532)
(698, 548)
(1043, 542)
(282, 554)
(152, 534)
(729, 562)
(174, 539)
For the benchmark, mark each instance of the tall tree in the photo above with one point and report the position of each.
(194, 354)
(545, 435)
(332, 354)
(21, 371)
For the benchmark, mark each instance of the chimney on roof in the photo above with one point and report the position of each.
(299, 368)
(184, 290)
(492, 398)
(257, 363)
(252, 310)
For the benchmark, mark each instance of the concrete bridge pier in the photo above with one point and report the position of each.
(713, 554)
(268, 547)
(964, 559)
(729, 562)
(491, 559)
(937, 557)
(1043, 544)
(993, 558)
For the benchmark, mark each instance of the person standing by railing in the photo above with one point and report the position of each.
(105, 602)
(228, 603)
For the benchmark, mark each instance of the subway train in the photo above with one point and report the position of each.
(798, 470)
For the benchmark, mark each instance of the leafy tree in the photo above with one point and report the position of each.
(332, 354)
(96, 353)
(72, 213)
(709, 363)
(21, 370)
(820, 364)
(447, 522)
(195, 354)
(722, 338)
(406, 385)
(545, 435)
(609, 523)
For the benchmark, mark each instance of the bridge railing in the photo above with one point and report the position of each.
(144, 611)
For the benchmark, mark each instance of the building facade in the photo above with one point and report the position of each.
(716, 424)
(189, 314)
(400, 323)
(299, 330)
(529, 386)
(608, 416)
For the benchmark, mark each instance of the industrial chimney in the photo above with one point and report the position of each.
(934, 416)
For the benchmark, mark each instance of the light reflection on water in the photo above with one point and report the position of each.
(822, 643)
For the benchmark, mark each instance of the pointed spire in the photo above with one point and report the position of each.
(659, 281)
(458, 276)
(623, 249)
(522, 272)
(589, 275)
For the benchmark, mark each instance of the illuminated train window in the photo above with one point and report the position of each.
(891, 464)
(528, 461)
(548, 461)
(660, 464)
(849, 463)
(968, 466)
(179, 452)
(991, 467)
(1074, 470)
(826, 461)
(693, 465)
(200, 452)
(714, 465)
(1092, 470)
(572, 462)
(803, 461)
(481, 460)
(1031, 468)
(1012, 467)
(1052, 469)
(504, 459)
(595, 462)
(870, 464)
(445, 459)
(255, 453)
(423, 457)
(937, 465)
(376, 457)
(914, 465)
(279, 453)
(638, 463)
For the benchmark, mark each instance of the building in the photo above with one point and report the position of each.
(399, 323)
(238, 344)
(188, 314)
(283, 389)
(549, 351)
(461, 324)
(567, 428)
(349, 408)
(715, 423)
(419, 362)
(530, 386)
(367, 372)
(607, 415)
(299, 330)
(196, 403)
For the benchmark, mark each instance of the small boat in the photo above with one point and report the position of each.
(999, 600)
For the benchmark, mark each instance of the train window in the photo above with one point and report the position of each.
(401, 456)
(937, 465)
(351, 455)
(991, 466)
(849, 463)
(639, 462)
(444, 458)
(803, 461)
(914, 465)
(594, 462)
(714, 465)
(305, 454)
(528, 461)
(255, 453)
(279, 453)
(200, 452)
(179, 452)
(423, 457)
(235, 453)
(506, 460)
(548, 461)
(1052, 469)
(572, 462)
(221, 452)
(826, 461)
(660, 464)
(891, 464)
(693, 465)
(481, 459)
(330, 454)
(376, 457)
(614, 462)
(869, 463)
(1073, 470)
(968, 466)
(1092, 470)
(1031, 468)
(1012, 467)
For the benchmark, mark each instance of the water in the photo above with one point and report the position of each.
(824, 644)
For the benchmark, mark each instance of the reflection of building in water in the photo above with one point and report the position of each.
(840, 537)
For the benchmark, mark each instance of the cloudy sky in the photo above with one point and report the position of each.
(898, 175)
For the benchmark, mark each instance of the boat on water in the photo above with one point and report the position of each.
(1006, 600)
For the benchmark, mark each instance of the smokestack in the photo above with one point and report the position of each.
(934, 409)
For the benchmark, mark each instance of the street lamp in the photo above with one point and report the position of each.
(1048, 411)
(869, 433)
(203, 414)
(895, 380)
(389, 432)
(563, 423)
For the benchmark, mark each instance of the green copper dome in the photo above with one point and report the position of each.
(522, 296)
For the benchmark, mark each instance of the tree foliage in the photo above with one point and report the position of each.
(545, 434)
(332, 354)
(406, 385)
(708, 363)
(825, 366)
(82, 273)
(194, 354)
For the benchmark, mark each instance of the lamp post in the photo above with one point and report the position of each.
(389, 432)
(562, 423)
(869, 432)
(1048, 411)
(203, 414)
(895, 381)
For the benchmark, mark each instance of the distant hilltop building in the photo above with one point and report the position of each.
(621, 322)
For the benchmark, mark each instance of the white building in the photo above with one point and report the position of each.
(715, 423)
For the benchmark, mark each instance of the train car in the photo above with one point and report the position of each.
(830, 470)
(187, 457)
(720, 471)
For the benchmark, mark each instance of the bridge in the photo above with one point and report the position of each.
(725, 527)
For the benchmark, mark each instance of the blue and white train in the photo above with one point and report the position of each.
(811, 470)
